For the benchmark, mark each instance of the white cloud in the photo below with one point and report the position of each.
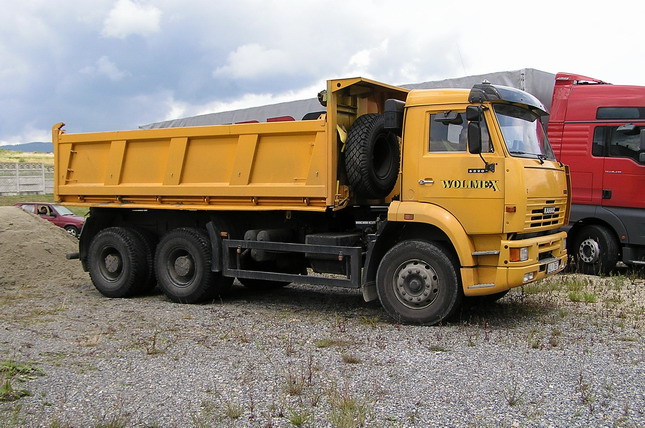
(253, 60)
(104, 67)
(29, 133)
(128, 17)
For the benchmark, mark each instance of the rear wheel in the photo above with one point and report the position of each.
(417, 283)
(117, 262)
(183, 267)
(148, 245)
(595, 250)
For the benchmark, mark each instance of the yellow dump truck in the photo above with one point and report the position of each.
(419, 198)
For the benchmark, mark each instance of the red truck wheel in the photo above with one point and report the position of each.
(417, 283)
(183, 267)
(595, 250)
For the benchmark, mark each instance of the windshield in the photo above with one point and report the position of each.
(63, 210)
(523, 132)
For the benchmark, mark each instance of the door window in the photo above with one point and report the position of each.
(607, 142)
(449, 133)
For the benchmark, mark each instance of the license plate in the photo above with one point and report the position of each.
(552, 267)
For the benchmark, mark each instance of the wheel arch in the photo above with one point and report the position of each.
(586, 215)
(430, 223)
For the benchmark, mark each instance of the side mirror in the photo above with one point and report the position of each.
(474, 138)
(473, 114)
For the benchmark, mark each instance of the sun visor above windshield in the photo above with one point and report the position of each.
(489, 92)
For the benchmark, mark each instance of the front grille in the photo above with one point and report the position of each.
(544, 213)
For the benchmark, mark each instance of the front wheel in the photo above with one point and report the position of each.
(417, 283)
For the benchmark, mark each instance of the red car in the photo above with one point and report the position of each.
(57, 214)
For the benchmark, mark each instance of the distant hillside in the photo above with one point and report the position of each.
(31, 147)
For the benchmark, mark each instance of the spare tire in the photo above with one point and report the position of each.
(372, 156)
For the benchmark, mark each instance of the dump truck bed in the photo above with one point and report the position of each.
(289, 165)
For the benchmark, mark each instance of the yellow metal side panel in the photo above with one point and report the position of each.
(115, 162)
(283, 160)
(209, 161)
(176, 156)
(89, 164)
(244, 159)
(145, 162)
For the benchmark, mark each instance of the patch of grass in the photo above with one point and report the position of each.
(9, 393)
(26, 157)
(351, 358)
(22, 372)
(233, 410)
(513, 394)
(300, 417)
(295, 384)
(589, 298)
(368, 321)
(575, 296)
(329, 342)
(347, 411)
(437, 348)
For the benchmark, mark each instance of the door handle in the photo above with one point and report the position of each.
(422, 182)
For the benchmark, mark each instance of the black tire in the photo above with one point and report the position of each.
(183, 267)
(262, 284)
(417, 283)
(372, 157)
(595, 250)
(116, 262)
(73, 231)
(149, 244)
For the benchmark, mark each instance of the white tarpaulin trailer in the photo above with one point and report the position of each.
(536, 82)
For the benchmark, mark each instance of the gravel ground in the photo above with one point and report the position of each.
(565, 352)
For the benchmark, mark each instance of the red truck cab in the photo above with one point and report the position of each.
(598, 129)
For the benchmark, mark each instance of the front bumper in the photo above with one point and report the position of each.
(547, 255)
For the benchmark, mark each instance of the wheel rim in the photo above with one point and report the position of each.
(71, 231)
(589, 251)
(181, 267)
(416, 284)
(111, 264)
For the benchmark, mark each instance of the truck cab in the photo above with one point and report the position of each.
(598, 129)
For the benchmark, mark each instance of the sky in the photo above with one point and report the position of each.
(102, 65)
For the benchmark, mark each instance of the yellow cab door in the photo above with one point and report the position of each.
(438, 168)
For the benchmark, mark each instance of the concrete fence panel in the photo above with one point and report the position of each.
(23, 178)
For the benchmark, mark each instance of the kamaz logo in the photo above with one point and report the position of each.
(471, 184)
(548, 210)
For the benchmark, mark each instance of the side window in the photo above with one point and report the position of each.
(607, 141)
(597, 149)
(449, 133)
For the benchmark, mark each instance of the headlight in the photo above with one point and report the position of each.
(519, 254)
